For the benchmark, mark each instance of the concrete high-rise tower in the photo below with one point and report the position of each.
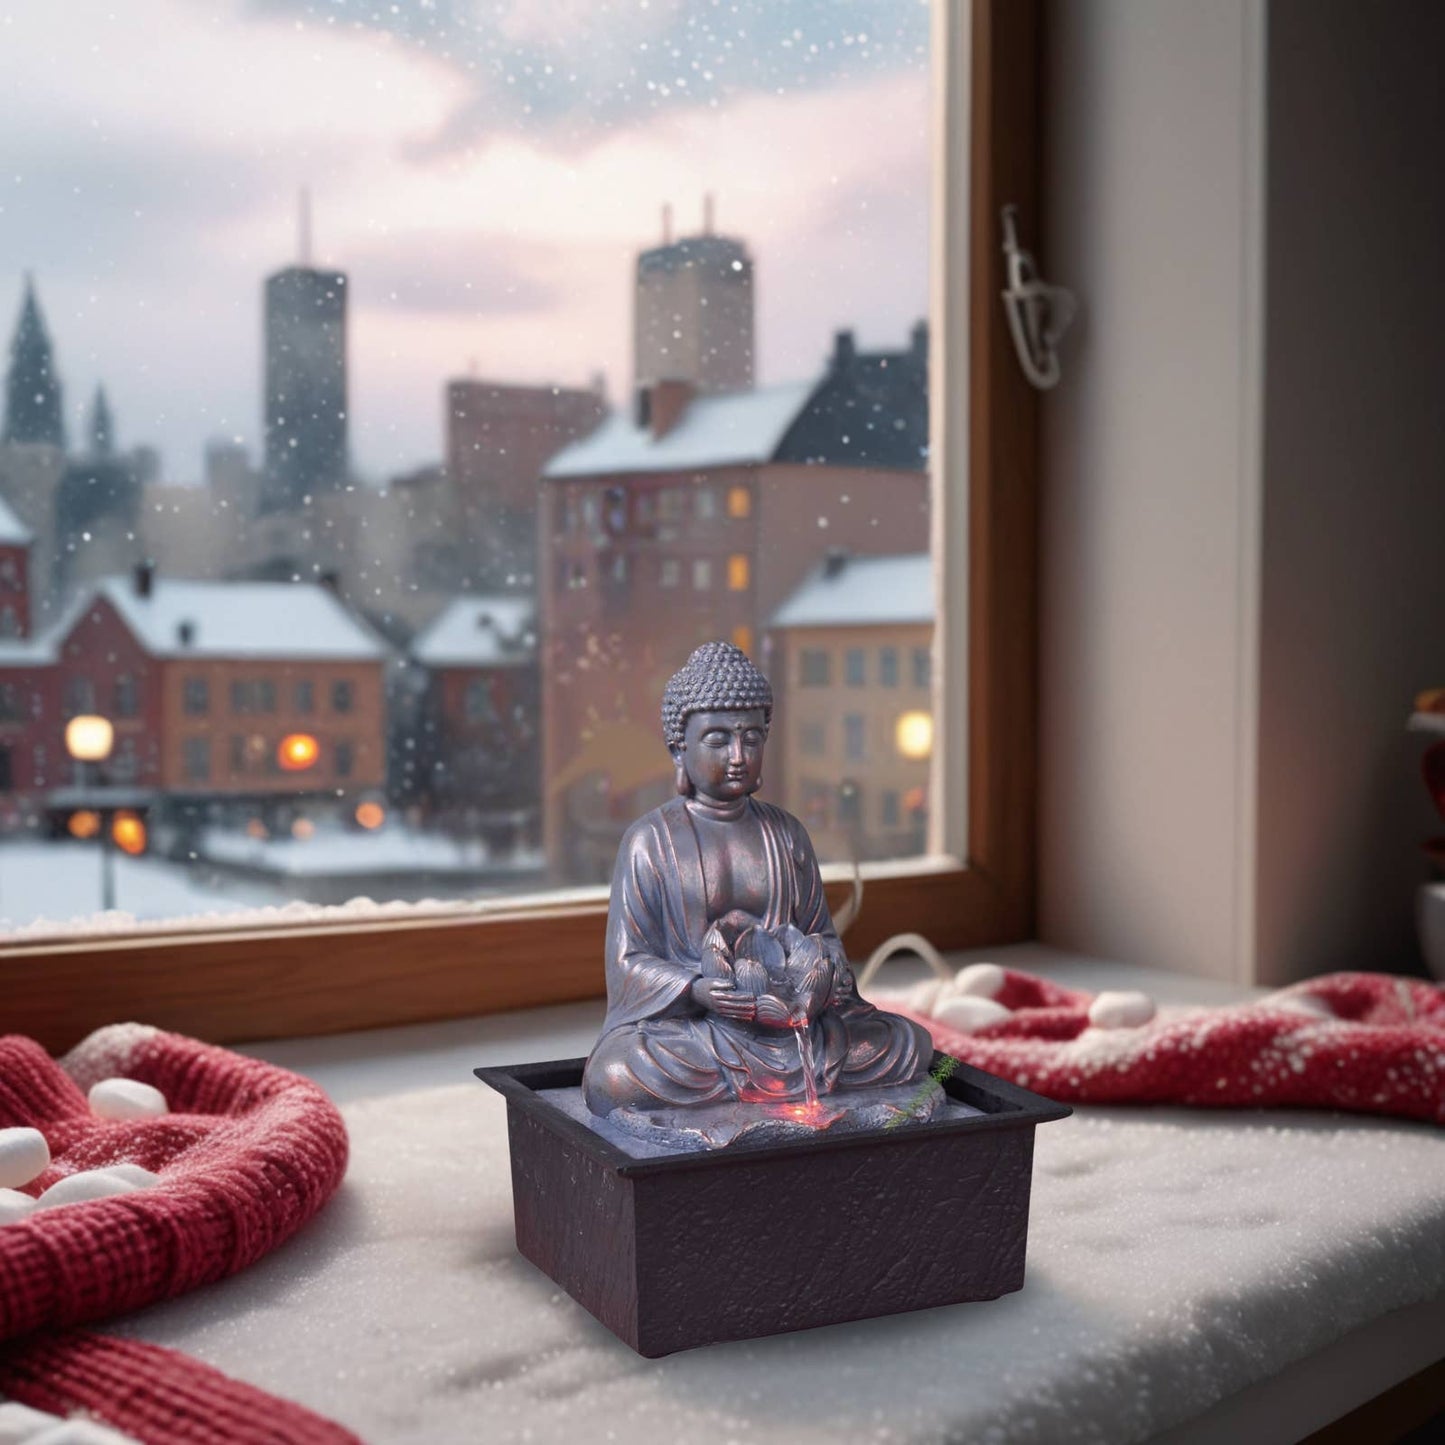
(693, 311)
(305, 383)
(32, 389)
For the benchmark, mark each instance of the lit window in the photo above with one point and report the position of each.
(739, 573)
(743, 638)
(740, 502)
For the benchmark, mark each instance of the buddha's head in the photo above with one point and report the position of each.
(715, 716)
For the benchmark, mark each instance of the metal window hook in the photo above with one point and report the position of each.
(1038, 313)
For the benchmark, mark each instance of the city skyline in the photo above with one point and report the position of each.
(151, 220)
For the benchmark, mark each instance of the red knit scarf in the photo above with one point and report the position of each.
(1366, 1042)
(246, 1156)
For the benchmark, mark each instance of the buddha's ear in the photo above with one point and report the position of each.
(681, 781)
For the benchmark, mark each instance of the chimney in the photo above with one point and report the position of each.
(844, 350)
(707, 214)
(145, 576)
(918, 339)
(186, 633)
(835, 559)
(667, 225)
(667, 406)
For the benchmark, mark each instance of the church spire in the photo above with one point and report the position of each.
(102, 426)
(32, 389)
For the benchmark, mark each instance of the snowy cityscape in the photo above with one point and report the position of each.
(289, 683)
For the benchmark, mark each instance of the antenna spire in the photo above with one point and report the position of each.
(707, 213)
(667, 225)
(303, 221)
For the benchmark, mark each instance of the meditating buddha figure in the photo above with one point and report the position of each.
(725, 977)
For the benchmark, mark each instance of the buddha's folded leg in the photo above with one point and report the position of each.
(658, 1061)
(884, 1048)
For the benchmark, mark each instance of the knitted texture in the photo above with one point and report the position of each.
(1366, 1042)
(154, 1395)
(247, 1155)
(718, 677)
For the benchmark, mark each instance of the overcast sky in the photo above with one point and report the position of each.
(485, 171)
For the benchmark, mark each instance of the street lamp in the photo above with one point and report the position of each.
(89, 739)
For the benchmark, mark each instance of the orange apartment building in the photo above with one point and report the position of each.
(849, 655)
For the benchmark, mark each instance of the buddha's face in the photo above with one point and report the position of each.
(723, 753)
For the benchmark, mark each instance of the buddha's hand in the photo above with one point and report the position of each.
(773, 1013)
(717, 995)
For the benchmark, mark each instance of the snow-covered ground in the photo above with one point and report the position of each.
(53, 888)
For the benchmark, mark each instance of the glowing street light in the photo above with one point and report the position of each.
(89, 739)
(128, 832)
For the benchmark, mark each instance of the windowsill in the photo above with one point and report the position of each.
(1214, 1275)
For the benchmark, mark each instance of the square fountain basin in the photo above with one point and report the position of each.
(731, 1244)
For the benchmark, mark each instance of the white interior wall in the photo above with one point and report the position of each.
(1353, 599)
(1151, 487)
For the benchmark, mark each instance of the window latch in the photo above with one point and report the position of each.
(1038, 314)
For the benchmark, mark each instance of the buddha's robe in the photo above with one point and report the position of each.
(659, 1047)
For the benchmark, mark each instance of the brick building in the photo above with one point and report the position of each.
(27, 684)
(691, 518)
(849, 654)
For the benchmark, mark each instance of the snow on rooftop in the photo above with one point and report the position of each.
(286, 620)
(482, 631)
(732, 428)
(13, 532)
(862, 592)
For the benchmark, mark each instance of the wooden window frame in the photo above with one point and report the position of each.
(234, 985)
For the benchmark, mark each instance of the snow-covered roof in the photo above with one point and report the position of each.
(13, 532)
(731, 428)
(497, 630)
(284, 620)
(862, 592)
(27, 651)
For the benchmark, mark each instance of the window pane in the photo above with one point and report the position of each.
(373, 474)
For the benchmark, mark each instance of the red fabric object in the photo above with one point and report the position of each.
(154, 1394)
(247, 1155)
(1367, 1042)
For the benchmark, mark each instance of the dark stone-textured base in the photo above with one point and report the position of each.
(757, 1239)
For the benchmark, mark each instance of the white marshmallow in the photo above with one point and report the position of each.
(141, 1178)
(978, 980)
(127, 1099)
(969, 1014)
(923, 996)
(1311, 1005)
(24, 1155)
(13, 1206)
(90, 1184)
(1121, 1009)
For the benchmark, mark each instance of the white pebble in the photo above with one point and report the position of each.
(24, 1155)
(92, 1184)
(969, 1014)
(127, 1099)
(13, 1206)
(978, 980)
(922, 996)
(1121, 1009)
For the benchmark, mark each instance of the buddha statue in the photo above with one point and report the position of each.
(726, 981)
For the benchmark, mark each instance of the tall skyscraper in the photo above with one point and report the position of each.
(306, 405)
(693, 311)
(32, 389)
